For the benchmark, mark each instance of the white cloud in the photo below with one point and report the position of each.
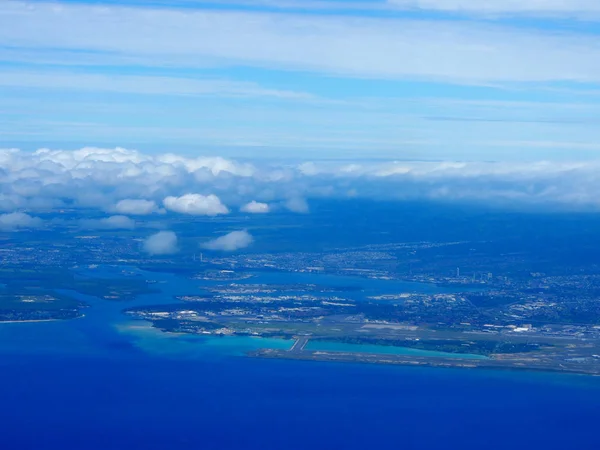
(196, 205)
(10, 202)
(18, 220)
(255, 207)
(142, 85)
(566, 7)
(230, 242)
(334, 44)
(109, 223)
(214, 165)
(161, 243)
(136, 207)
(562, 7)
(297, 205)
(48, 180)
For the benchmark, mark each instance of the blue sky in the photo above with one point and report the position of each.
(399, 79)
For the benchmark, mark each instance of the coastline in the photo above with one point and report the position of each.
(31, 320)
(421, 361)
(41, 320)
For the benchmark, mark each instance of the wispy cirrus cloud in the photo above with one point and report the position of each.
(423, 79)
(351, 46)
(147, 84)
(544, 8)
(568, 8)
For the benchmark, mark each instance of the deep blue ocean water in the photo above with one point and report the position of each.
(141, 402)
(104, 382)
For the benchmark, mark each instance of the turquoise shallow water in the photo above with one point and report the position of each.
(383, 350)
(246, 344)
(156, 342)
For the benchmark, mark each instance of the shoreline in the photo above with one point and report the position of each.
(31, 321)
(41, 320)
(419, 361)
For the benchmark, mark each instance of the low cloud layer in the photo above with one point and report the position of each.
(161, 243)
(18, 221)
(125, 181)
(230, 242)
(109, 223)
(297, 205)
(196, 205)
(255, 207)
(136, 207)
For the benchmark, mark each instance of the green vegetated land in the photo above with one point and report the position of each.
(21, 304)
(35, 293)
